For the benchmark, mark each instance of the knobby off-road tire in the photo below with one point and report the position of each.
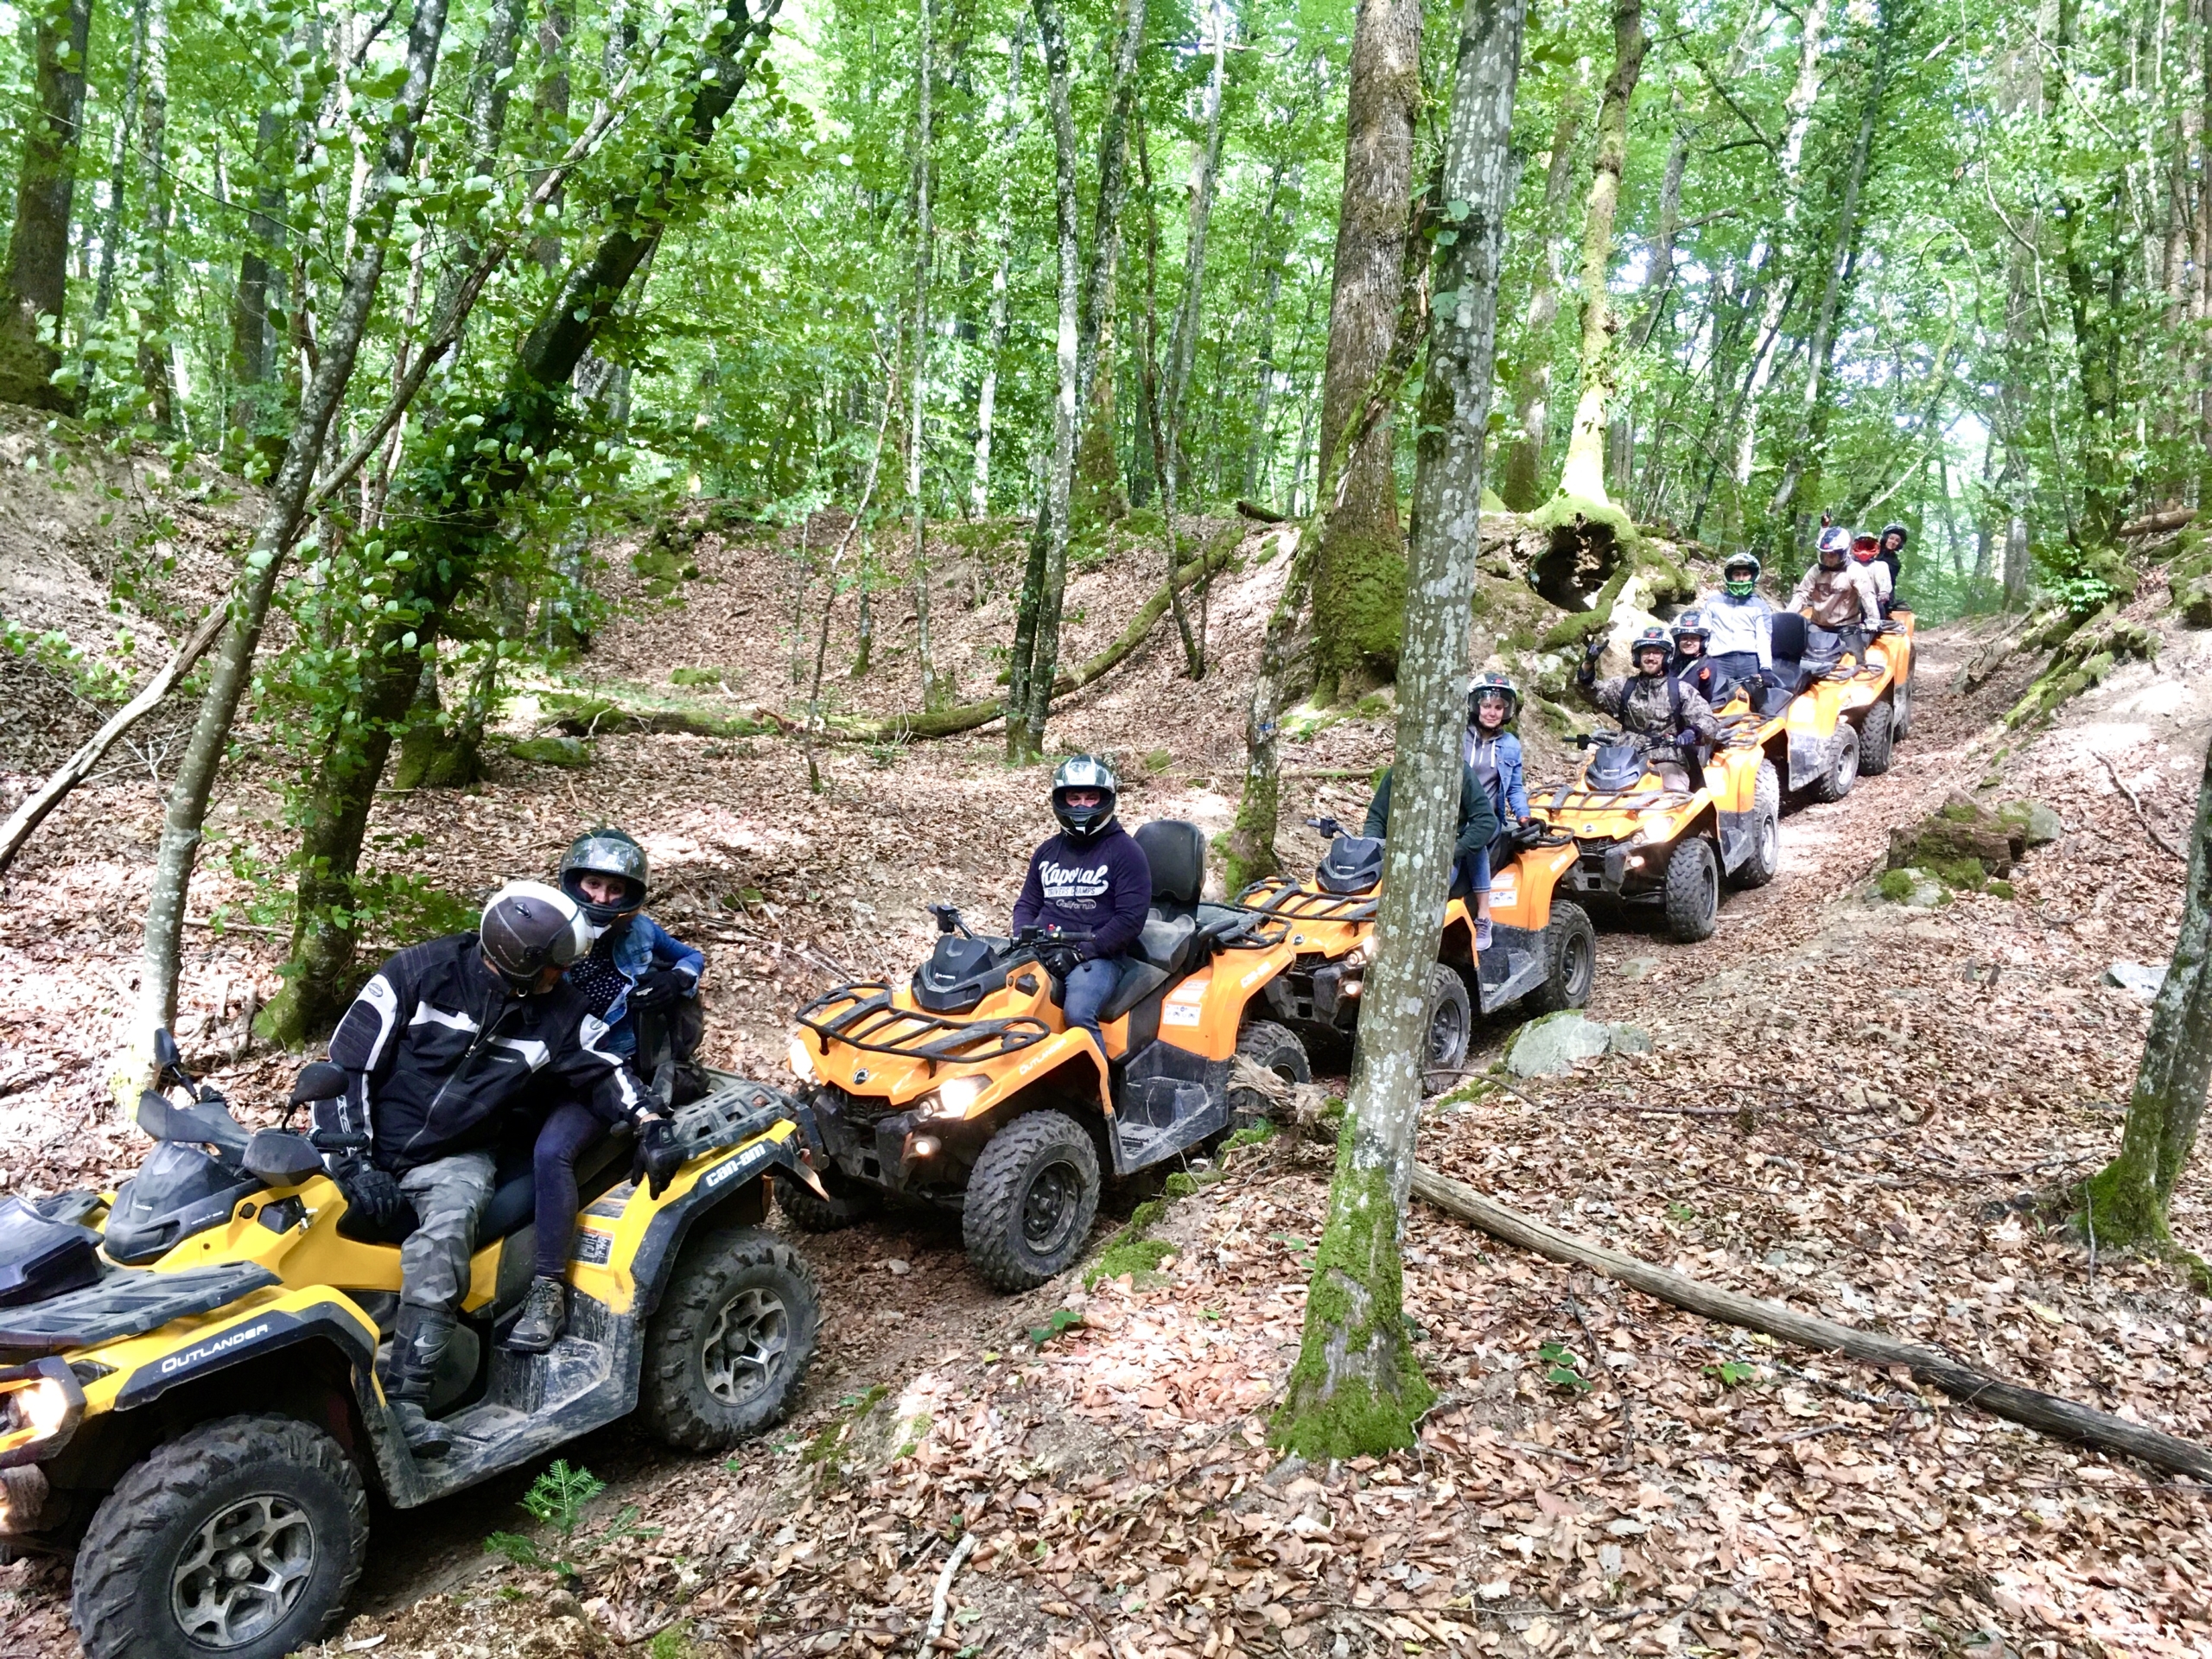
(1765, 857)
(1877, 737)
(849, 1202)
(242, 1538)
(1031, 1200)
(726, 1352)
(1691, 897)
(1843, 767)
(1274, 1048)
(1901, 698)
(1570, 960)
(1449, 1023)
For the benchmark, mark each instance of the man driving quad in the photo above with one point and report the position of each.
(1092, 877)
(1470, 848)
(643, 983)
(1494, 752)
(444, 1045)
(1739, 623)
(1654, 708)
(1837, 597)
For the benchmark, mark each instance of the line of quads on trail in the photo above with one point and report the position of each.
(189, 1379)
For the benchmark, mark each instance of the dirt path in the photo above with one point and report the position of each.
(1646, 1483)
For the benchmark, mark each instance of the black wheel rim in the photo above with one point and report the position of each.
(1581, 962)
(1049, 1207)
(743, 1350)
(1447, 1034)
(241, 1573)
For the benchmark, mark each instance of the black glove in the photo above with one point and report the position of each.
(660, 987)
(1596, 646)
(371, 1193)
(658, 1157)
(1060, 956)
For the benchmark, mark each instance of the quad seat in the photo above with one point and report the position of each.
(1173, 944)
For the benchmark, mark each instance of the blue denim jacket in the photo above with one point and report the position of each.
(1511, 793)
(634, 951)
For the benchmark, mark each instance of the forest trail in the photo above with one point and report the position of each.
(1886, 1080)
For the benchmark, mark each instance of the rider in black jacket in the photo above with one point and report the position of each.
(444, 1040)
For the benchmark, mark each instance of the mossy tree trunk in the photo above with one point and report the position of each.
(1252, 838)
(1356, 1387)
(1359, 571)
(1583, 476)
(1521, 476)
(2126, 1203)
(45, 183)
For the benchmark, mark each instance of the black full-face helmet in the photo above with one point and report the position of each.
(528, 927)
(609, 853)
(1084, 772)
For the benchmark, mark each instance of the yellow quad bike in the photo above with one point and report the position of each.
(965, 1092)
(188, 1388)
(1847, 718)
(1543, 950)
(1649, 835)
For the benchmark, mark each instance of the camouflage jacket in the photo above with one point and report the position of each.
(1657, 710)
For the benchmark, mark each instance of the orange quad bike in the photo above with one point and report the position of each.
(1651, 833)
(965, 1090)
(1543, 950)
(1845, 720)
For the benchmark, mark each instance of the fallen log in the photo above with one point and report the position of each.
(1259, 514)
(2049, 1414)
(79, 766)
(2157, 524)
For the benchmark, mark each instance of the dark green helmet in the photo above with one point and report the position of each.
(611, 853)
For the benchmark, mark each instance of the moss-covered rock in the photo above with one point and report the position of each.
(571, 752)
(2087, 653)
(2194, 601)
(1961, 843)
(695, 677)
(2032, 822)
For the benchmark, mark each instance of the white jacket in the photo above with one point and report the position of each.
(1738, 624)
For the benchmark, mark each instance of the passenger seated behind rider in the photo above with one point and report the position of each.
(1837, 597)
(1654, 707)
(642, 984)
(1494, 752)
(1866, 552)
(1740, 624)
(1892, 554)
(1478, 827)
(444, 1042)
(1092, 877)
(1690, 664)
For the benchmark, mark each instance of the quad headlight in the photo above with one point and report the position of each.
(802, 1061)
(39, 1408)
(952, 1098)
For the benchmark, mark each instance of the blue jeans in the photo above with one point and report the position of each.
(569, 1130)
(1085, 991)
(1732, 668)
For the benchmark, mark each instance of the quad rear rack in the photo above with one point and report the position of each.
(866, 1017)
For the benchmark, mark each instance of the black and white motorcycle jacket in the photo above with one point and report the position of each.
(436, 1049)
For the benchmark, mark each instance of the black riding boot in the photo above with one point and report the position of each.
(418, 1342)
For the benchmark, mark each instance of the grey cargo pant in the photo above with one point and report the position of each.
(449, 1195)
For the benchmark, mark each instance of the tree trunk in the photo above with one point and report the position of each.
(1097, 494)
(1583, 476)
(2092, 296)
(1355, 1388)
(2126, 1203)
(1804, 461)
(933, 695)
(156, 353)
(252, 334)
(118, 171)
(1359, 582)
(1522, 486)
(1264, 371)
(280, 523)
(1768, 259)
(553, 28)
(38, 249)
(1183, 340)
(1052, 571)
(1148, 394)
(979, 498)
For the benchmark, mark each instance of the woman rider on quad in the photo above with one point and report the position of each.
(1654, 708)
(642, 984)
(1739, 623)
(1494, 752)
(1691, 665)
(1092, 877)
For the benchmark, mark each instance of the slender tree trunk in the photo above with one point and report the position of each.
(1583, 476)
(994, 338)
(2126, 1202)
(1659, 274)
(250, 333)
(1053, 585)
(1521, 486)
(1097, 493)
(934, 695)
(1163, 464)
(118, 171)
(1264, 372)
(1804, 460)
(1357, 1387)
(1183, 341)
(1768, 259)
(156, 352)
(280, 523)
(1360, 571)
(553, 28)
(38, 250)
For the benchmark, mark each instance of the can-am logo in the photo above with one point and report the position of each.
(221, 1345)
(744, 1161)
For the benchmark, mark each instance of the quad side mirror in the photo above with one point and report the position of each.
(281, 1157)
(321, 1081)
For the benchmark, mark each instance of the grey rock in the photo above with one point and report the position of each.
(1624, 1039)
(2135, 979)
(2035, 824)
(1638, 967)
(1549, 1047)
